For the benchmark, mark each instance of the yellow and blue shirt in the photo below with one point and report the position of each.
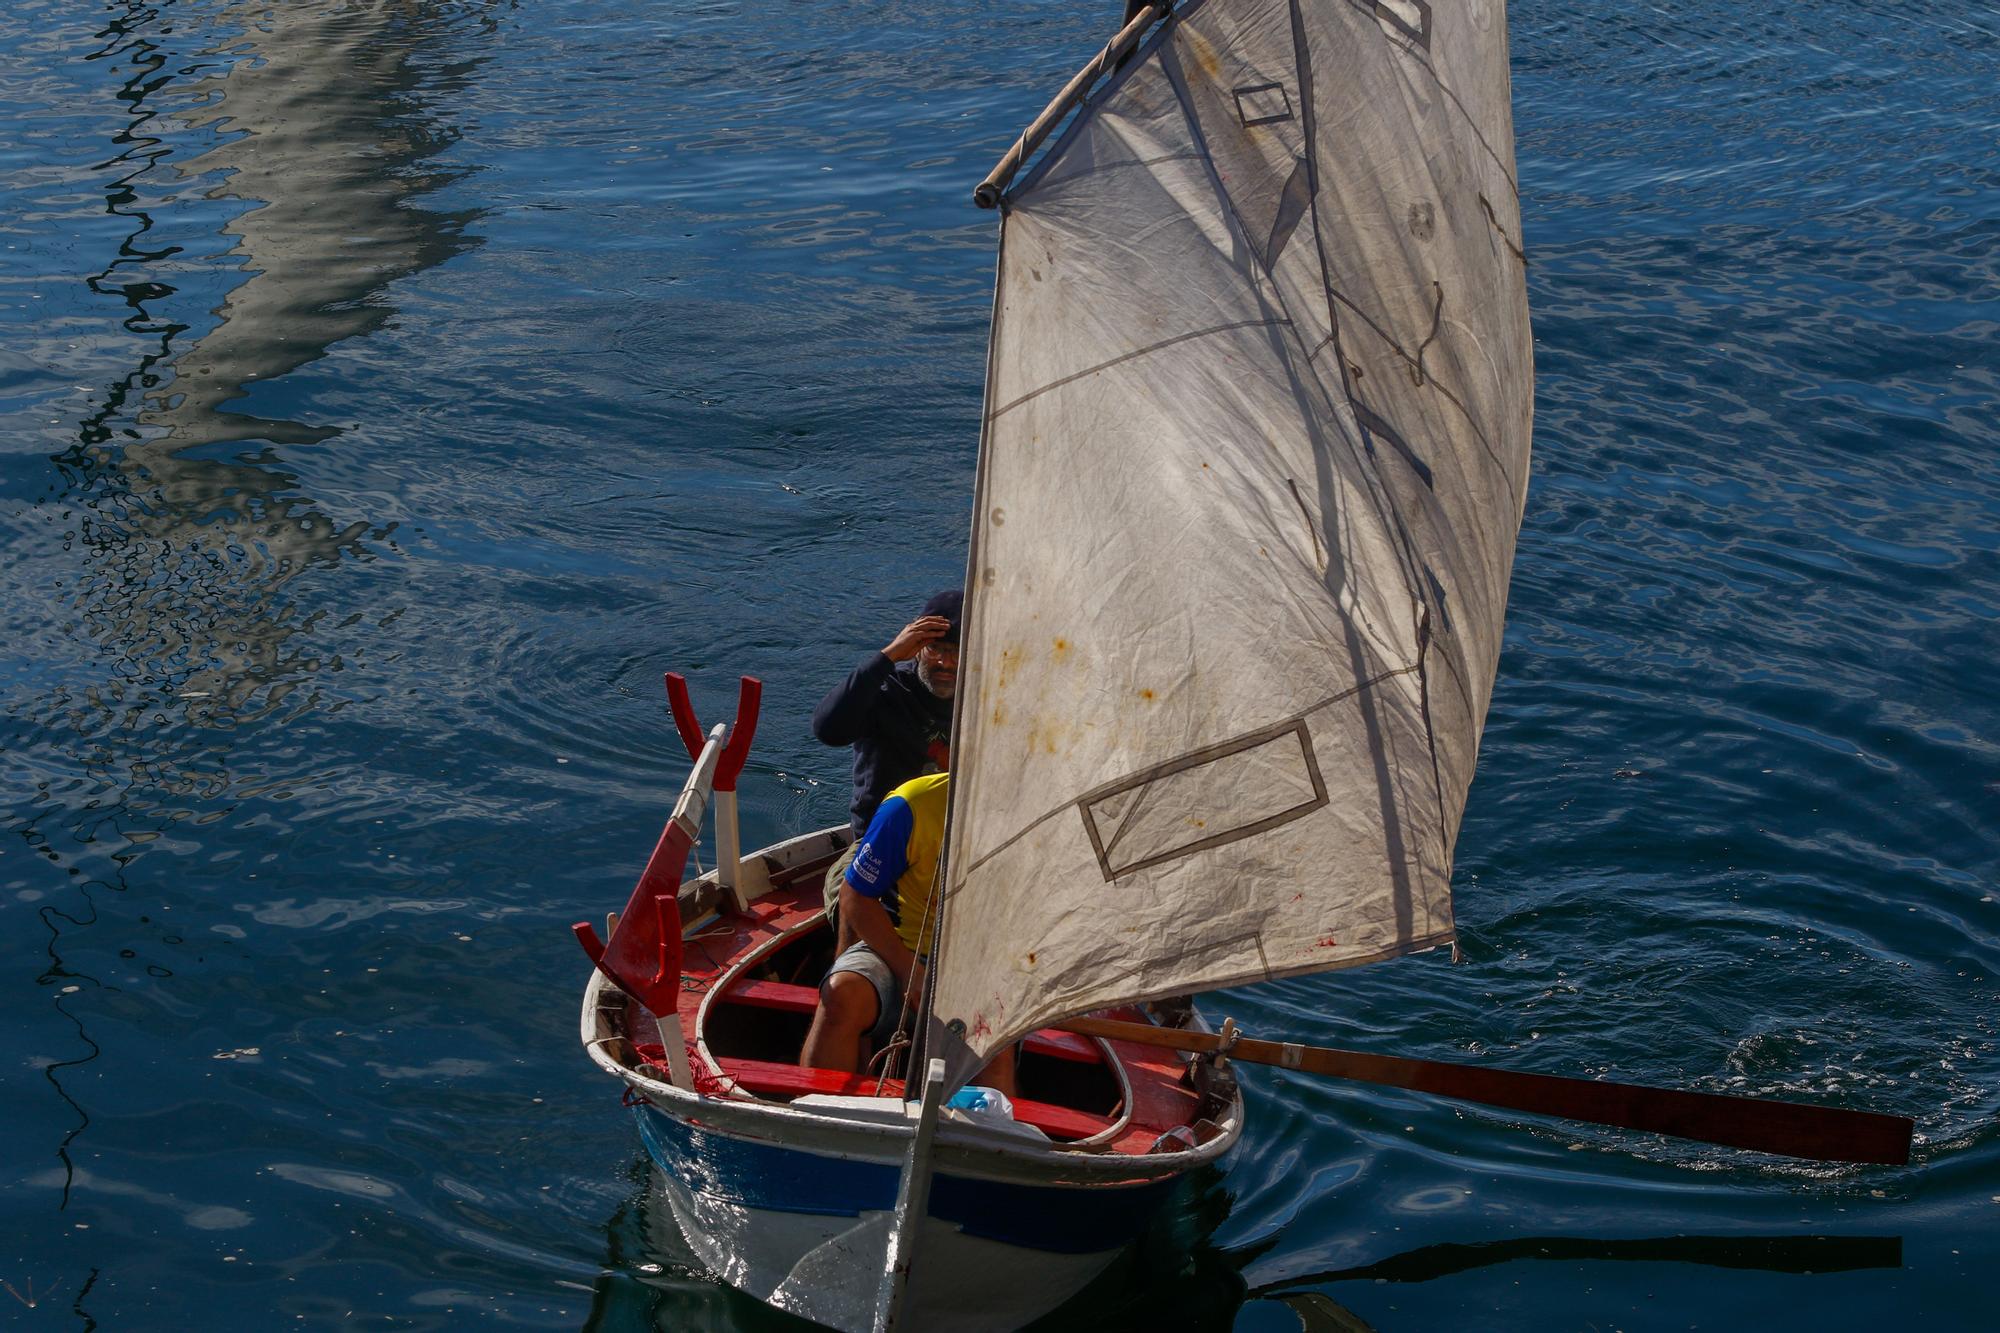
(896, 864)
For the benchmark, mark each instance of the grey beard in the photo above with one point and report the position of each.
(925, 674)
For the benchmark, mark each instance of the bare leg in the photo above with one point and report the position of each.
(847, 1011)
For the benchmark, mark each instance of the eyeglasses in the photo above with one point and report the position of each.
(940, 649)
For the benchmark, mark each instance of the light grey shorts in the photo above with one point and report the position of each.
(864, 961)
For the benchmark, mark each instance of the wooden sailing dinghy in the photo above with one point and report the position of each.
(1254, 456)
(783, 1179)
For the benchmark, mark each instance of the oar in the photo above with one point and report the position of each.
(1789, 1129)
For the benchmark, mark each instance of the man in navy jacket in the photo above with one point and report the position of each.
(895, 710)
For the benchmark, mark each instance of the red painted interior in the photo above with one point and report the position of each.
(805, 999)
(1160, 1100)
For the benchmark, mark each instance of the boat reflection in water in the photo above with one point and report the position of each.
(1177, 1277)
(1173, 1278)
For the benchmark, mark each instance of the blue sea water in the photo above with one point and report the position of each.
(391, 391)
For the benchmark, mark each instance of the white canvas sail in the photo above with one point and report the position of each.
(1255, 453)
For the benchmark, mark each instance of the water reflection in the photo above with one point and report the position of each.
(1173, 1278)
(328, 137)
(326, 119)
(1178, 1277)
(1319, 1313)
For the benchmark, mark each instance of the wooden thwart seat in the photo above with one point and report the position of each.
(770, 1079)
(804, 999)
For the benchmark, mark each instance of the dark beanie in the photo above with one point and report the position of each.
(949, 604)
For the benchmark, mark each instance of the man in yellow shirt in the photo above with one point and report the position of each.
(888, 896)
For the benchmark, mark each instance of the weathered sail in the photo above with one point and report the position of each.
(1255, 452)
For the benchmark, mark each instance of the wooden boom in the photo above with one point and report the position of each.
(1789, 1129)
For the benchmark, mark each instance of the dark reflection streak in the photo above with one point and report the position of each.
(94, 430)
(76, 463)
(76, 1306)
(54, 974)
(602, 1301)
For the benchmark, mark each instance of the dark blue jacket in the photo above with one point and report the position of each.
(898, 728)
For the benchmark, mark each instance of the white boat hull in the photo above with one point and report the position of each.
(805, 1229)
(828, 1269)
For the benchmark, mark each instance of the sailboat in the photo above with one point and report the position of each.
(1254, 457)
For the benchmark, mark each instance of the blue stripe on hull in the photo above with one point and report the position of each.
(749, 1174)
(763, 1175)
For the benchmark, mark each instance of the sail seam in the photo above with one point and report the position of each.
(1501, 231)
(1056, 187)
(1444, 829)
(1312, 530)
(1379, 497)
(1379, 492)
(1147, 350)
(1431, 381)
(1078, 802)
(1437, 322)
(1302, 64)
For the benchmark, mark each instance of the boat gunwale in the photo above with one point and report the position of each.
(964, 1149)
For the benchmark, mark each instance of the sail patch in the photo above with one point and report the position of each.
(1224, 793)
(1263, 104)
